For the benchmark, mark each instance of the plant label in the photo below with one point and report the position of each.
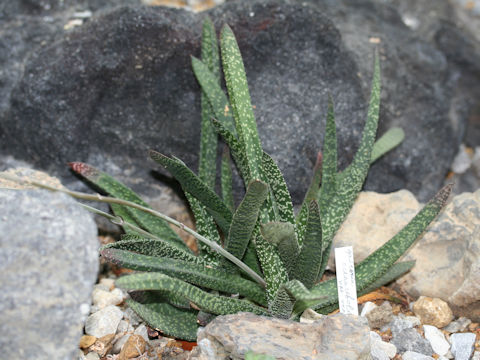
(347, 289)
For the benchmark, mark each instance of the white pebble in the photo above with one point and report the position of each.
(117, 346)
(462, 345)
(412, 355)
(102, 298)
(142, 331)
(367, 307)
(103, 322)
(439, 344)
(92, 356)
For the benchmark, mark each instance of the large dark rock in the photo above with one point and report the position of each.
(122, 83)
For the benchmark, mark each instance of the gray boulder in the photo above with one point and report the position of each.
(332, 337)
(121, 84)
(48, 265)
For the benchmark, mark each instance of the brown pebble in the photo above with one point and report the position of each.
(103, 345)
(87, 341)
(134, 347)
(433, 311)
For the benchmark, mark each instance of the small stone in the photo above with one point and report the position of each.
(102, 298)
(436, 338)
(411, 340)
(134, 347)
(309, 316)
(92, 356)
(117, 346)
(124, 326)
(132, 317)
(476, 355)
(381, 350)
(412, 355)
(367, 307)
(380, 315)
(459, 325)
(433, 311)
(142, 331)
(108, 283)
(103, 345)
(462, 161)
(462, 345)
(400, 323)
(103, 322)
(87, 341)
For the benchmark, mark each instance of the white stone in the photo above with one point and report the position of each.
(309, 316)
(102, 298)
(117, 346)
(103, 322)
(412, 355)
(439, 344)
(124, 326)
(132, 317)
(476, 355)
(92, 356)
(142, 331)
(462, 345)
(462, 161)
(109, 283)
(367, 307)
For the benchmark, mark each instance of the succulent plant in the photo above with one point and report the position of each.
(259, 257)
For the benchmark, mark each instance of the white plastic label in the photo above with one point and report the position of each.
(347, 289)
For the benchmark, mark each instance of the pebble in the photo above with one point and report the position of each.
(412, 355)
(103, 298)
(411, 340)
(117, 346)
(134, 347)
(462, 345)
(86, 341)
(433, 311)
(381, 350)
(92, 356)
(124, 326)
(436, 338)
(476, 355)
(142, 331)
(104, 321)
(380, 315)
(400, 323)
(459, 325)
(367, 307)
(132, 317)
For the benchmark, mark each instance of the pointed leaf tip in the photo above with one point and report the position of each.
(83, 168)
(442, 196)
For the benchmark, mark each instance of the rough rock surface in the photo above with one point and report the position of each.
(447, 255)
(433, 311)
(333, 337)
(48, 265)
(110, 102)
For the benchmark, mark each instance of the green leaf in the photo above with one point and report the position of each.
(152, 247)
(122, 211)
(226, 180)
(245, 219)
(280, 195)
(192, 184)
(395, 271)
(310, 258)
(251, 259)
(377, 264)
(205, 226)
(216, 97)
(282, 235)
(152, 224)
(169, 320)
(236, 149)
(391, 139)
(354, 176)
(312, 192)
(237, 87)
(207, 167)
(273, 268)
(200, 299)
(205, 277)
(329, 165)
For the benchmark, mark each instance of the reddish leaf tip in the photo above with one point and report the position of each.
(83, 169)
